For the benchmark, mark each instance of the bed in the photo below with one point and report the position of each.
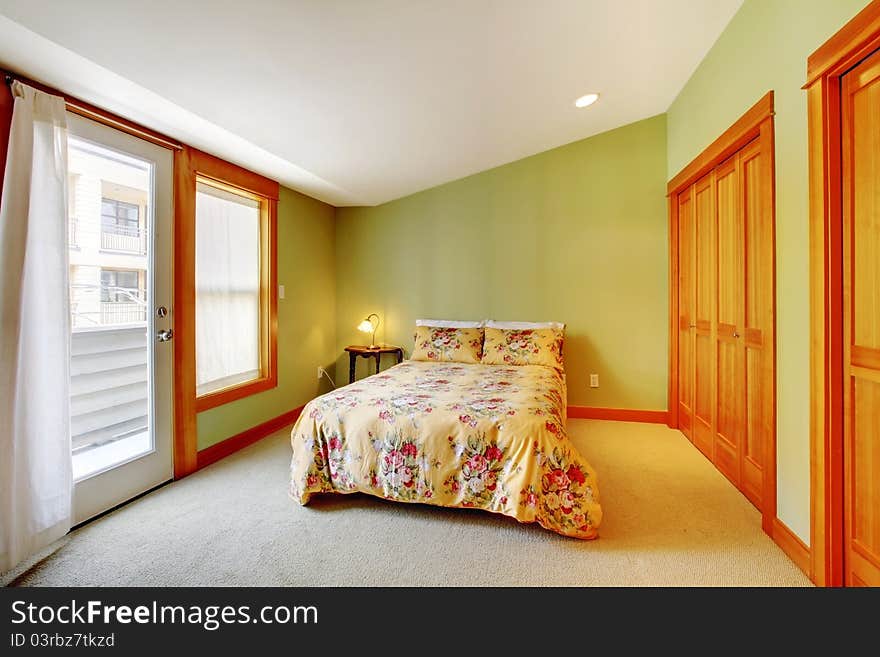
(482, 436)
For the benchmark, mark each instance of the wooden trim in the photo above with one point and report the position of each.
(820, 505)
(825, 67)
(226, 173)
(672, 389)
(241, 440)
(95, 113)
(794, 548)
(239, 391)
(849, 45)
(767, 139)
(617, 414)
(269, 297)
(98, 115)
(746, 128)
(184, 313)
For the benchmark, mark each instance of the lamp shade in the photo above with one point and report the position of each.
(367, 326)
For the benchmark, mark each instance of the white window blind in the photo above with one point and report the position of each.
(227, 289)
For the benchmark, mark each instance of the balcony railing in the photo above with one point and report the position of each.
(115, 312)
(128, 239)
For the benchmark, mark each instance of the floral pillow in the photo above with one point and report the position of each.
(448, 345)
(523, 347)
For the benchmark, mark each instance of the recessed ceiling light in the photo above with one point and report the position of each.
(586, 101)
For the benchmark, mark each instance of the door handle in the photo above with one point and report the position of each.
(164, 335)
(692, 326)
(735, 334)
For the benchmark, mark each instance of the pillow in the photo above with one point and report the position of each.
(449, 323)
(448, 344)
(541, 346)
(524, 325)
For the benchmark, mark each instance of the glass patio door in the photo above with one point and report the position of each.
(120, 214)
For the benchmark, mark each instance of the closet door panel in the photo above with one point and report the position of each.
(757, 322)
(704, 312)
(755, 421)
(860, 110)
(686, 312)
(730, 365)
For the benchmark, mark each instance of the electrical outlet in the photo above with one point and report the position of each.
(594, 380)
(320, 372)
(280, 291)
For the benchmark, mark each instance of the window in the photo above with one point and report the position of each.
(232, 292)
(119, 286)
(121, 229)
(119, 217)
(225, 348)
(123, 300)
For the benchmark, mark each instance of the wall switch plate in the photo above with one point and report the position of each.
(280, 291)
(594, 380)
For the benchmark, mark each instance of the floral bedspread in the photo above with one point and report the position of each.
(452, 434)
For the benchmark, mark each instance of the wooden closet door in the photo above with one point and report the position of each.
(704, 314)
(860, 123)
(723, 235)
(756, 326)
(686, 322)
(730, 354)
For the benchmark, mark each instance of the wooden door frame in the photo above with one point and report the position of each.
(757, 122)
(825, 67)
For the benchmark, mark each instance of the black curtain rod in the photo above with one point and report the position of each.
(109, 119)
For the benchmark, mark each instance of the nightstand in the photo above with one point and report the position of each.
(369, 352)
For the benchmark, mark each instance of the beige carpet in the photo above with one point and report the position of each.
(670, 519)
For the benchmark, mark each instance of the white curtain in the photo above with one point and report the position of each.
(35, 464)
(227, 289)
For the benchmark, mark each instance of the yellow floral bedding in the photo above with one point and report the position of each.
(523, 347)
(448, 345)
(452, 434)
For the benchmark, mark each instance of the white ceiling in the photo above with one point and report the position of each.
(358, 102)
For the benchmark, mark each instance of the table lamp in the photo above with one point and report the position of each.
(367, 326)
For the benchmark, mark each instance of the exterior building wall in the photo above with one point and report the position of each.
(96, 247)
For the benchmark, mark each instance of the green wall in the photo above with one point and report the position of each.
(576, 234)
(306, 320)
(765, 47)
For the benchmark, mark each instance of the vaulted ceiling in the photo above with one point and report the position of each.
(358, 102)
